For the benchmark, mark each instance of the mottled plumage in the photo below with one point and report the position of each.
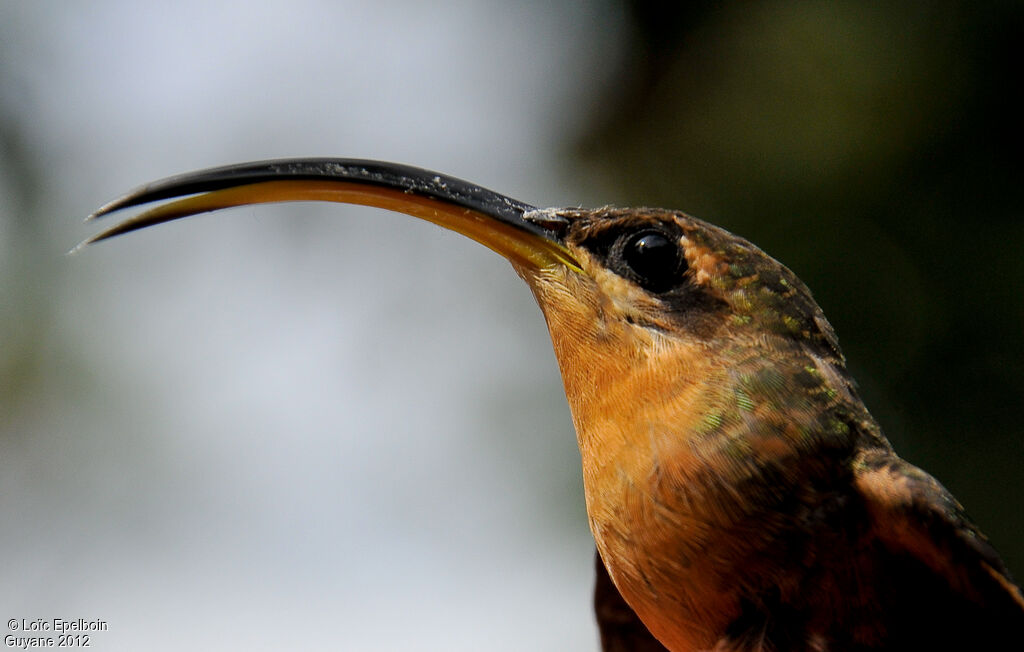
(741, 495)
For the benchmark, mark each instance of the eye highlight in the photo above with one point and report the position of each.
(652, 259)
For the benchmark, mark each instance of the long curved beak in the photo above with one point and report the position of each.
(526, 236)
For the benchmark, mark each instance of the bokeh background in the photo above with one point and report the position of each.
(325, 427)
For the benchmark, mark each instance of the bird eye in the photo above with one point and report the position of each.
(654, 260)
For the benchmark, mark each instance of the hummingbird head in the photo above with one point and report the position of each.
(680, 277)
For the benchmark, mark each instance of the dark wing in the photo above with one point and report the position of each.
(621, 629)
(940, 584)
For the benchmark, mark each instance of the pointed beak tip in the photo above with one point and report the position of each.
(106, 209)
(74, 251)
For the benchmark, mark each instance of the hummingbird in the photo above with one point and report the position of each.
(740, 495)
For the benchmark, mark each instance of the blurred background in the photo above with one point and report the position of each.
(329, 427)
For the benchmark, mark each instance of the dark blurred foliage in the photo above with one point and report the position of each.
(23, 283)
(874, 148)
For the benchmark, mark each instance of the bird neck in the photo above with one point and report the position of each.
(696, 452)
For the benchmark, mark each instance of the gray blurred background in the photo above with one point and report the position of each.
(325, 427)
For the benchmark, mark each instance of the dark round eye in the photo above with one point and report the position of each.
(655, 261)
